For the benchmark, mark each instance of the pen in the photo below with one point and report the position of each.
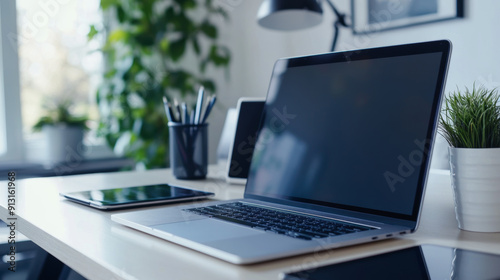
(168, 110)
(199, 105)
(209, 108)
(178, 108)
(192, 118)
(185, 119)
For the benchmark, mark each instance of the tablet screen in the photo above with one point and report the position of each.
(135, 195)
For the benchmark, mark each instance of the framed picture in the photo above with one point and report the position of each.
(378, 15)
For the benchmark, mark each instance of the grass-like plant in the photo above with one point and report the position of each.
(471, 119)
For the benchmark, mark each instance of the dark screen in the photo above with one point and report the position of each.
(134, 194)
(352, 133)
(420, 262)
(245, 137)
(405, 264)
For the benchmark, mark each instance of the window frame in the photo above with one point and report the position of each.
(10, 100)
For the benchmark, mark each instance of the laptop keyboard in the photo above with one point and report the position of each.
(281, 222)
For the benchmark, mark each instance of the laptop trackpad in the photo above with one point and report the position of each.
(206, 230)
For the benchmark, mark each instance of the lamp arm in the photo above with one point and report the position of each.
(340, 21)
(340, 16)
(335, 35)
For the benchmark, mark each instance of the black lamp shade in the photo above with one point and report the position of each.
(289, 14)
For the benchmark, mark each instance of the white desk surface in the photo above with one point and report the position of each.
(90, 243)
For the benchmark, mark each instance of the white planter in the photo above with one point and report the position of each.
(475, 178)
(63, 143)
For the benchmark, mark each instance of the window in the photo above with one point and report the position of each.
(45, 57)
(11, 144)
(55, 60)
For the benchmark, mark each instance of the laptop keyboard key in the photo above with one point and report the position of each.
(279, 222)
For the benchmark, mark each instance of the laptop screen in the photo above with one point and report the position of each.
(351, 130)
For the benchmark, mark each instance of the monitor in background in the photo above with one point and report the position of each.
(248, 114)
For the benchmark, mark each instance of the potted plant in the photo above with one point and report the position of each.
(154, 48)
(63, 131)
(470, 122)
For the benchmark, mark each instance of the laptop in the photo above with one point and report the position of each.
(342, 158)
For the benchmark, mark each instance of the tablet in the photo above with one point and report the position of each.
(418, 262)
(248, 112)
(136, 196)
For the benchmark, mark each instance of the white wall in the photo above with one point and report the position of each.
(475, 57)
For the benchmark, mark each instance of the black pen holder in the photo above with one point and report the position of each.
(188, 150)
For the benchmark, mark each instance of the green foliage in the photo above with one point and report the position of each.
(471, 119)
(146, 42)
(59, 113)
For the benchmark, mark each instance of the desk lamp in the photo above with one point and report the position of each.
(289, 15)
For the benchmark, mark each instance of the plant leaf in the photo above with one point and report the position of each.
(177, 49)
(92, 32)
(164, 45)
(208, 29)
(196, 45)
(105, 4)
(118, 35)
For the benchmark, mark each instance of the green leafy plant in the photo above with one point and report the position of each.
(153, 48)
(471, 119)
(59, 113)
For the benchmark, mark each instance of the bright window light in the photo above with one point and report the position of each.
(55, 60)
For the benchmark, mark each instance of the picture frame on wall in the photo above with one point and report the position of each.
(379, 15)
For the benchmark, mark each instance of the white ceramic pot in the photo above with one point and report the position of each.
(475, 178)
(64, 143)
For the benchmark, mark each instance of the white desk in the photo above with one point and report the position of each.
(90, 243)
